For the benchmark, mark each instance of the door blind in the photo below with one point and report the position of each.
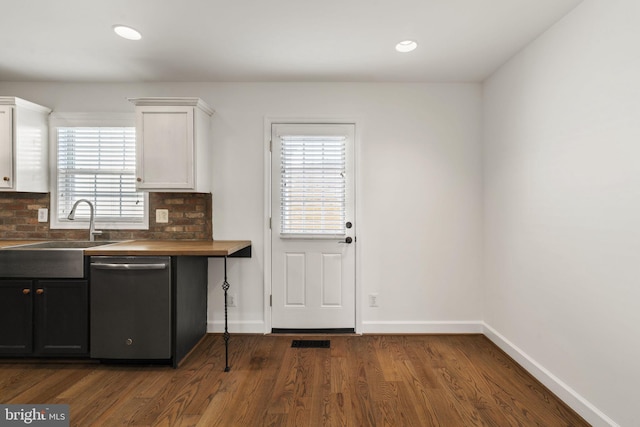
(98, 164)
(313, 190)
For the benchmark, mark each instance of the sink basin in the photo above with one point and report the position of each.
(61, 244)
(50, 260)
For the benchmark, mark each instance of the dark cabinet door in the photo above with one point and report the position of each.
(16, 323)
(61, 317)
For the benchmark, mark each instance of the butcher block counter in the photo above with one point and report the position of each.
(206, 248)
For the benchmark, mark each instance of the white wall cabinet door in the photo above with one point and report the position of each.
(164, 148)
(24, 130)
(6, 146)
(172, 144)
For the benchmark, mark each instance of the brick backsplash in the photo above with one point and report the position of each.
(190, 218)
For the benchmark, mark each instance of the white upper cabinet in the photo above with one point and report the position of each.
(24, 129)
(173, 141)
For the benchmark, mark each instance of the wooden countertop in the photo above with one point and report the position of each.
(211, 248)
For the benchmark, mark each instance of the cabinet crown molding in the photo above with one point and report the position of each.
(13, 100)
(172, 102)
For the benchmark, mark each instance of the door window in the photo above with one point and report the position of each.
(312, 185)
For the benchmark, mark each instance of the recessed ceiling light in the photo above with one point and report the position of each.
(406, 46)
(127, 32)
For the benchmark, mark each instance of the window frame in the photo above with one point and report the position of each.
(86, 120)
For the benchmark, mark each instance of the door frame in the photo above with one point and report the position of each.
(360, 226)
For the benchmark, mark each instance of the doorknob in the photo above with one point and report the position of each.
(347, 240)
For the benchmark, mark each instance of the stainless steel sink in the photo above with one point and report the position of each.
(51, 260)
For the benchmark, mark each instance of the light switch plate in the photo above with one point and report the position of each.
(162, 216)
(43, 215)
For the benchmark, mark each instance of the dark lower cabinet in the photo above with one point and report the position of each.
(147, 309)
(16, 317)
(136, 312)
(44, 318)
(61, 317)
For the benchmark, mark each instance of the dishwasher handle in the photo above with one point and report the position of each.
(123, 266)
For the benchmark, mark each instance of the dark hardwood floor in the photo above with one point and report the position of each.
(371, 380)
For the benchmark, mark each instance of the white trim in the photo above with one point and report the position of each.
(268, 122)
(23, 103)
(423, 327)
(237, 326)
(90, 120)
(267, 225)
(172, 102)
(568, 395)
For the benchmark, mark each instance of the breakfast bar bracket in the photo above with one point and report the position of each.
(242, 253)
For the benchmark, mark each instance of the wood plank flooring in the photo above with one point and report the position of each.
(371, 380)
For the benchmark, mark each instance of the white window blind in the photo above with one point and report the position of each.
(98, 164)
(313, 190)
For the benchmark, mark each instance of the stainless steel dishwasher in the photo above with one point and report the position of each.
(130, 307)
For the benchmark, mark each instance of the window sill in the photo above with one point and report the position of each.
(79, 224)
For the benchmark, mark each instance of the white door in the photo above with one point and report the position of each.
(313, 226)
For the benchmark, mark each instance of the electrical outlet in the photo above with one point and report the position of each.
(373, 300)
(231, 300)
(43, 215)
(162, 216)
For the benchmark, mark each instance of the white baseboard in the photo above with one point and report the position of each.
(237, 327)
(578, 403)
(423, 327)
(393, 327)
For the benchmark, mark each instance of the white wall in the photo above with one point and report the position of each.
(562, 208)
(419, 181)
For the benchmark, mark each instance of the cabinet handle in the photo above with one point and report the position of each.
(40, 291)
(26, 291)
(6, 178)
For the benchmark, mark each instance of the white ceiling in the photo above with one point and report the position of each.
(267, 40)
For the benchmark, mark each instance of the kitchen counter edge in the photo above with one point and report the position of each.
(209, 248)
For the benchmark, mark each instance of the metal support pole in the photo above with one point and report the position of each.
(226, 336)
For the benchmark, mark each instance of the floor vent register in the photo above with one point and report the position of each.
(311, 344)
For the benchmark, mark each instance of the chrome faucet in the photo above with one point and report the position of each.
(92, 226)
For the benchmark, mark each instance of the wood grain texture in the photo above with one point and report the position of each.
(371, 380)
(214, 248)
(172, 247)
